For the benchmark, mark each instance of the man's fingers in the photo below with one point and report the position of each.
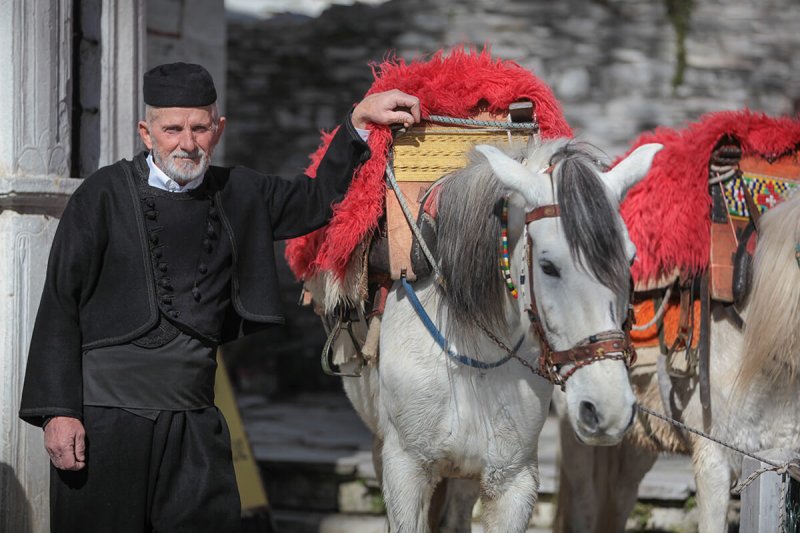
(400, 117)
(75, 466)
(65, 442)
(391, 107)
(80, 447)
(67, 461)
(410, 104)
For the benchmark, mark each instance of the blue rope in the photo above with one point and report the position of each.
(442, 342)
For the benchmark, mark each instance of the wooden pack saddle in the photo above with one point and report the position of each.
(422, 155)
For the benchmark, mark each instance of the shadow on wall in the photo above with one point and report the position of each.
(15, 510)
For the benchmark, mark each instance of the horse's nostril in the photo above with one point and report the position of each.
(588, 415)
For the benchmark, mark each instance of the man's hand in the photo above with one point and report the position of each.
(64, 440)
(390, 107)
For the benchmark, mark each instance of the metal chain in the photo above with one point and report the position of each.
(509, 351)
(484, 123)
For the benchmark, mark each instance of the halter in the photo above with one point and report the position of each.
(611, 344)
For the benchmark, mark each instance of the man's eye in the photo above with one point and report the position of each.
(549, 269)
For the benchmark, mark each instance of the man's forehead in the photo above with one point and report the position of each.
(182, 114)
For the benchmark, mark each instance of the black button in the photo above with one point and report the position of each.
(152, 215)
(196, 294)
(158, 253)
(174, 313)
(202, 268)
(166, 300)
(165, 283)
(211, 232)
(162, 267)
(154, 238)
(207, 245)
(150, 202)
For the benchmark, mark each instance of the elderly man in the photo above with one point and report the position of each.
(156, 261)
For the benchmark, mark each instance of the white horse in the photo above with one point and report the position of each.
(472, 407)
(755, 398)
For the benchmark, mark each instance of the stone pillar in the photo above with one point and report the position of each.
(36, 93)
(123, 26)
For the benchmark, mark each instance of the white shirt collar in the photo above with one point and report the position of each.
(159, 180)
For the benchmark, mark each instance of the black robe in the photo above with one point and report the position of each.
(99, 288)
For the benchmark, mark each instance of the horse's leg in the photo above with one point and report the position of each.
(407, 487)
(626, 466)
(598, 486)
(508, 502)
(713, 479)
(576, 505)
(459, 501)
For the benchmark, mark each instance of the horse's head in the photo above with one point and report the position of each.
(579, 268)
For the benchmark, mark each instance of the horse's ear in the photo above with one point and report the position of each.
(630, 170)
(512, 174)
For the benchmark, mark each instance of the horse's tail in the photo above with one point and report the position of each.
(771, 345)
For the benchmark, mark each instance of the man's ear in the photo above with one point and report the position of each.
(220, 129)
(144, 133)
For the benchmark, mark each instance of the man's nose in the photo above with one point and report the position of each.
(187, 142)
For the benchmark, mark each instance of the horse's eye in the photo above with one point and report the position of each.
(549, 269)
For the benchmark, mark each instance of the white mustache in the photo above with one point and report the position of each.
(191, 155)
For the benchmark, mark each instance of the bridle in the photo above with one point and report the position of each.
(611, 344)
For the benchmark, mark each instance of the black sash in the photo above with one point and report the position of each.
(177, 376)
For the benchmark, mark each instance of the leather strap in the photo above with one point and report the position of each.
(543, 211)
(703, 365)
(606, 345)
(590, 350)
(752, 208)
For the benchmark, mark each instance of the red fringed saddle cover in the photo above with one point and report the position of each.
(460, 84)
(668, 213)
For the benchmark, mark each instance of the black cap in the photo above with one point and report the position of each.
(178, 85)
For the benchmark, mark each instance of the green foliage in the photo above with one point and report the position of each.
(680, 14)
(640, 516)
(690, 503)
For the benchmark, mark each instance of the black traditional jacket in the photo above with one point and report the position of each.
(99, 288)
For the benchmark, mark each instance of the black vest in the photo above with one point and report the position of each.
(191, 260)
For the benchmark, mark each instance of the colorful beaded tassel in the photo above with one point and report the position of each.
(505, 262)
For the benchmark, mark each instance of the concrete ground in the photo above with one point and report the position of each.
(315, 456)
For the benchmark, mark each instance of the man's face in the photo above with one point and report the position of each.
(181, 140)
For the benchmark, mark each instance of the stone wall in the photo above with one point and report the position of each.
(192, 31)
(611, 63)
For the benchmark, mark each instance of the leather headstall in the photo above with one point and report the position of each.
(612, 344)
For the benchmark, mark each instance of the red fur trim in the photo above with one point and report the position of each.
(668, 213)
(455, 85)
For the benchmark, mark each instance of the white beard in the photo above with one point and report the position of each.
(182, 173)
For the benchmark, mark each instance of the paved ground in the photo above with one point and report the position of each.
(323, 429)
